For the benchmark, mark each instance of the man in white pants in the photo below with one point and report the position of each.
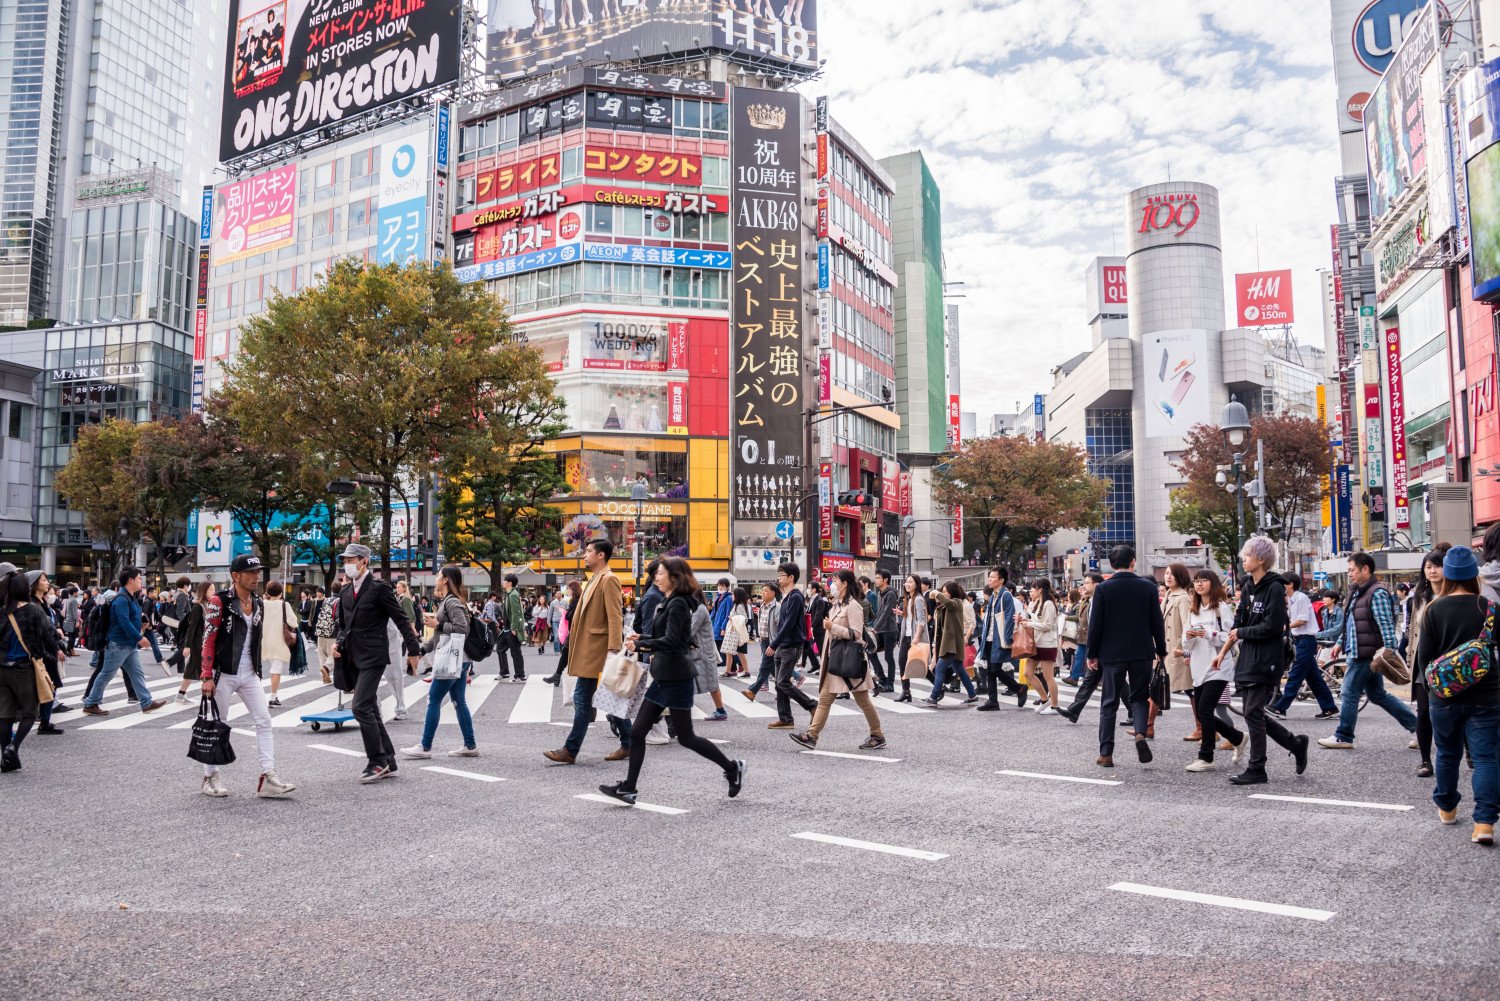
(232, 625)
(395, 668)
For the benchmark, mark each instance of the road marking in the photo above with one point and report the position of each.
(535, 702)
(1285, 910)
(739, 704)
(116, 684)
(479, 692)
(856, 757)
(476, 776)
(292, 717)
(240, 709)
(412, 693)
(136, 719)
(337, 750)
(599, 797)
(711, 740)
(1061, 778)
(892, 706)
(1332, 802)
(871, 846)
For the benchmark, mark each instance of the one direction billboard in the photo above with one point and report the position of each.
(1395, 123)
(530, 36)
(295, 66)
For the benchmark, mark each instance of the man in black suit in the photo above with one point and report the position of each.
(1125, 632)
(364, 607)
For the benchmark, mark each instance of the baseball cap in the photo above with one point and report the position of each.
(245, 563)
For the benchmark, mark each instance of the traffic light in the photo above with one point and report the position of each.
(856, 498)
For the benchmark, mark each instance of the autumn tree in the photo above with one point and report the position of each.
(1297, 457)
(1016, 489)
(392, 371)
(100, 482)
(1214, 526)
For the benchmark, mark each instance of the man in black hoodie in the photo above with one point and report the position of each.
(1260, 627)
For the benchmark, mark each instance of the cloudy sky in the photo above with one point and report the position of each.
(1037, 117)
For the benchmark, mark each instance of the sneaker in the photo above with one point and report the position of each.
(1275, 712)
(1334, 744)
(1199, 765)
(1047, 711)
(1327, 714)
(93, 711)
(988, 707)
(212, 786)
(373, 773)
(416, 752)
(181, 699)
(1411, 745)
(274, 703)
(971, 700)
(737, 777)
(1484, 834)
(520, 679)
(1249, 778)
(1240, 748)
(619, 792)
(717, 716)
(656, 738)
(1448, 817)
(804, 740)
(872, 743)
(464, 752)
(398, 717)
(272, 787)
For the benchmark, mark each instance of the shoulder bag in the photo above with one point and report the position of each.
(621, 673)
(846, 660)
(1461, 668)
(917, 658)
(287, 632)
(44, 689)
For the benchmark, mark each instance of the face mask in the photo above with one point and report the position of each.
(351, 570)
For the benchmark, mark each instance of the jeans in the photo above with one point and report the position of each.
(1480, 726)
(1131, 678)
(945, 667)
(252, 695)
(1359, 680)
(787, 693)
(583, 715)
(767, 670)
(117, 656)
(1260, 725)
(155, 646)
(366, 709)
(456, 689)
(1080, 664)
(1206, 702)
(1305, 668)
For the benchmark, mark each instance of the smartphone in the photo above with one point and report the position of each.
(1183, 385)
(1184, 365)
(1166, 408)
(1161, 376)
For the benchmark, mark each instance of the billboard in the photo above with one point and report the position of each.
(1401, 512)
(767, 389)
(1177, 382)
(1395, 126)
(296, 66)
(401, 224)
(255, 215)
(1366, 35)
(532, 36)
(1263, 299)
(1484, 223)
(1108, 295)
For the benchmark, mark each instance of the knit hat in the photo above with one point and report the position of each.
(1459, 564)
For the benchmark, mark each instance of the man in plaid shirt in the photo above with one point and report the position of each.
(1369, 624)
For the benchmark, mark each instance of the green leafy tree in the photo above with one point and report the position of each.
(1016, 489)
(503, 517)
(164, 466)
(102, 482)
(1215, 527)
(390, 371)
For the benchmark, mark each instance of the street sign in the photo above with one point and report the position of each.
(785, 530)
(1320, 575)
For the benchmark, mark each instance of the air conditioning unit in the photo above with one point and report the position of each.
(1450, 518)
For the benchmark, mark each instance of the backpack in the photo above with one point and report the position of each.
(480, 641)
(99, 622)
(325, 618)
(1466, 665)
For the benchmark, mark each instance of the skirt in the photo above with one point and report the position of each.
(1046, 653)
(671, 694)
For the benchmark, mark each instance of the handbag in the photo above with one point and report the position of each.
(1070, 628)
(846, 660)
(288, 634)
(209, 742)
(1023, 644)
(168, 620)
(1160, 690)
(917, 657)
(1465, 665)
(970, 655)
(448, 659)
(44, 689)
(621, 673)
(298, 663)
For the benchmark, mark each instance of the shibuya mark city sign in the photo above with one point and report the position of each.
(295, 66)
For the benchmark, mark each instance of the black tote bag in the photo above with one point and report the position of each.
(210, 738)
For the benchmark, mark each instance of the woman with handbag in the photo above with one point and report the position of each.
(736, 646)
(1041, 612)
(450, 672)
(845, 669)
(915, 652)
(41, 596)
(1067, 630)
(1421, 598)
(25, 634)
(672, 681)
(706, 657)
(560, 633)
(1210, 617)
(1175, 612)
(280, 636)
(948, 642)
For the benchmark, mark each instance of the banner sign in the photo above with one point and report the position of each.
(1344, 540)
(677, 408)
(295, 66)
(256, 215)
(955, 422)
(540, 205)
(401, 226)
(643, 165)
(517, 178)
(766, 340)
(825, 508)
(1401, 512)
(1263, 298)
(205, 245)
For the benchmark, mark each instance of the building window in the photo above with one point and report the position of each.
(18, 427)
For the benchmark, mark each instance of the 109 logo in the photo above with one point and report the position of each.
(1170, 212)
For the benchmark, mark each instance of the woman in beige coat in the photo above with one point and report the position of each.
(1176, 612)
(845, 622)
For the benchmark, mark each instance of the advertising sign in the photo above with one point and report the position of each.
(1483, 173)
(825, 507)
(532, 36)
(401, 226)
(1365, 36)
(1263, 298)
(1107, 287)
(256, 215)
(1402, 512)
(890, 485)
(1177, 386)
(633, 344)
(643, 166)
(677, 408)
(1395, 129)
(955, 422)
(540, 205)
(825, 377)
(767, 386)
(823, 276)
(906, 496)
(834, 562)
(1344, 540)
(517, 178)
(215, 538)
(295, 66)
(205, 245)
(682, 257)
(444, 130)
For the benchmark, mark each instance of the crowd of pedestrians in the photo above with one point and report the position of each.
(1142, 645)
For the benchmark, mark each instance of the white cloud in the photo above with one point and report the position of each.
(1037, 119)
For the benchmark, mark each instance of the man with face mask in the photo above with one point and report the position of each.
(364, 608)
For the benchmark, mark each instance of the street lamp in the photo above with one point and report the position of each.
(1234, 421)
(639, 492)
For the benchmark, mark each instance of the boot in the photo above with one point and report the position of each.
(1198, 727)
(905, 692)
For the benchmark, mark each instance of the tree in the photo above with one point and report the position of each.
(1297, 456)
(1015, 490)
(390, 371)
(163, 465)
(334, 519)
(503, 516)
(1216, 528)
(100, 481)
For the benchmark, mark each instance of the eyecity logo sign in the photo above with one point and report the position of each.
(1379, 29)
(404, 160)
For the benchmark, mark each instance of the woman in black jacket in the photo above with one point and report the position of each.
(1260, 627)
(190, 640)
(40, 588)
(18, 645)
(670, 645)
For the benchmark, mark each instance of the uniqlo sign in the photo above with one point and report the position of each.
(1114, 285)
(1263, 298)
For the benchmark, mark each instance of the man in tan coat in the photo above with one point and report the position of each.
(597, 631)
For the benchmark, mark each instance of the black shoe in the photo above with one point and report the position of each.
(553, 679)
(736, 777)
(1143, 750)
(1300, 753)
(1128, 723)
(1325, 714)
(1425, 772)
(1275, 712)
(61, 708)
(971, 700)
(1020, 694)
(905, 697)
(9, 760)
(1071, 717)
(1250, 778)
(505, 676)
(804, 740)
(619, 792)
(988, 707)
(51, 730)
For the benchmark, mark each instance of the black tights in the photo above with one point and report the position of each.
(682, 719)
(14, 731)
(1424, 723)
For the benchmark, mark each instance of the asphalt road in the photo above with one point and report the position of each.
(122, 882)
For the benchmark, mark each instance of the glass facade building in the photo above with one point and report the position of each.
(1109, 443)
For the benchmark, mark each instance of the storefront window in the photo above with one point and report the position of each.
(640, 408)
(613, 473)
